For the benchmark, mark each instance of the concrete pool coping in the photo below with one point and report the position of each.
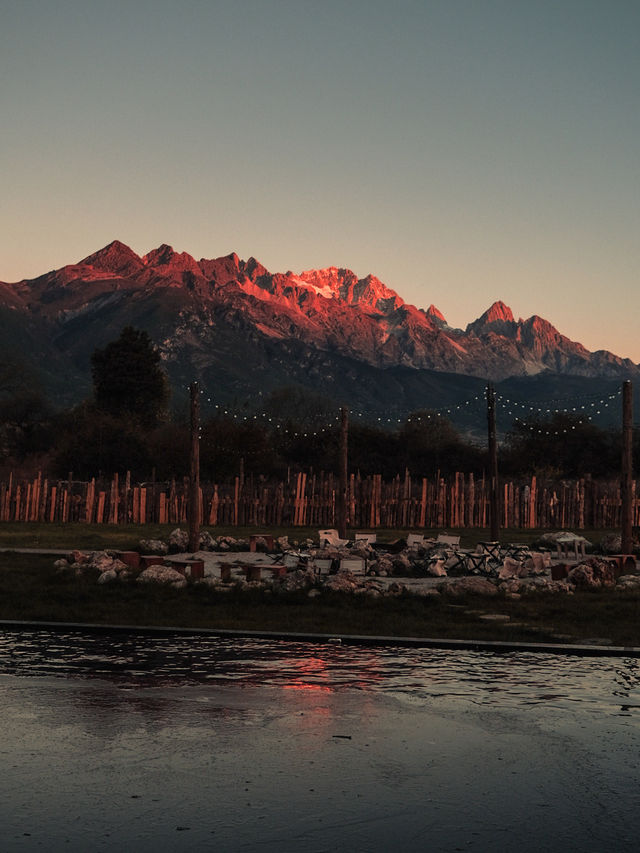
(496, 646)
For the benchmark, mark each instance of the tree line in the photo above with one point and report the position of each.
(126, 425)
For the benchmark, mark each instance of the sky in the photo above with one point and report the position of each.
(463, 151)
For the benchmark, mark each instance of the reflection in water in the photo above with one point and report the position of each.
(143, 743)
(416, 675)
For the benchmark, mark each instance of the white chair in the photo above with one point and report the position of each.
(322, 566)
(354, 565)
(448, 541)
(291, 560)
(330, 537)
(365, 538)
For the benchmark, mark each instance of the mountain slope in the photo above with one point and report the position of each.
(241, 328)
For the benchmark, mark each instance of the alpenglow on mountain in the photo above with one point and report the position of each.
(237, 326)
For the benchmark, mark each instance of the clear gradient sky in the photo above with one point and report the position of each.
(461, 150)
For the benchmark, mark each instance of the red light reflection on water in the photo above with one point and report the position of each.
(311, 670)
(319, 674)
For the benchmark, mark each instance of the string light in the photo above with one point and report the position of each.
(586, 406)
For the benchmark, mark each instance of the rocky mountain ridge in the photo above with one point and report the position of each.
(205, 314)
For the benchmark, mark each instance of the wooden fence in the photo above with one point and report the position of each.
(309, 499)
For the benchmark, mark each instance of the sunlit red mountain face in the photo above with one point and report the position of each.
(200, 312)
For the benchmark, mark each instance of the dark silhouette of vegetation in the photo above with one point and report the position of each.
(93, 443)
(27, 428)
(128, 380)
(564, 445)
(125, 427)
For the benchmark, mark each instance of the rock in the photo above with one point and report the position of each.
(611, 544)
(178, 541)
(153, 546)
(108, 576)
(260, 544)
(401, 563)
(469, 586)
(209, 581)
(436, 569)
(384, 564)
(538, 563)
(228, 543)
(77, 557)
(99, 560)
(119, 567)
(283, 543)
(628, 582)
(426, 592)
(512, 586)
(362, 550)
(207, 542)
(592, 574)
(510, 569)
(313, 593)
(164, 575)
(342, 582)
(62, 565)
(396, 588)
(298, 580)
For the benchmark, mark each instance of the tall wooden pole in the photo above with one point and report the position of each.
(627, 466)
(194, 481)
(494, 510)
(342, 497)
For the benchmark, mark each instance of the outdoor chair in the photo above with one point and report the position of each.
(492, 550)
(354, 565)
(518, 551)
(365, 538)
(330, 537)
(456, 562)
(476, 563)
(292, 560)
(449, 541)
(322, 566)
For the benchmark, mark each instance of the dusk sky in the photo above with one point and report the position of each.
(462, 151)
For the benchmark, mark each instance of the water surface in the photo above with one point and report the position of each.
(132, 742)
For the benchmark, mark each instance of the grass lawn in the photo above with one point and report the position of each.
(78, 535)
(31, 590)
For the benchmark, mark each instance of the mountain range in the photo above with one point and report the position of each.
(244, 331)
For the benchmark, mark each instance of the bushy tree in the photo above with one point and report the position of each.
(27, 424)
(430, 443)
(226, 441)
(563, 445)
(128, 379)
(93, 443)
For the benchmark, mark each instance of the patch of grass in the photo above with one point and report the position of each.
(126, 536)
(32, 590)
